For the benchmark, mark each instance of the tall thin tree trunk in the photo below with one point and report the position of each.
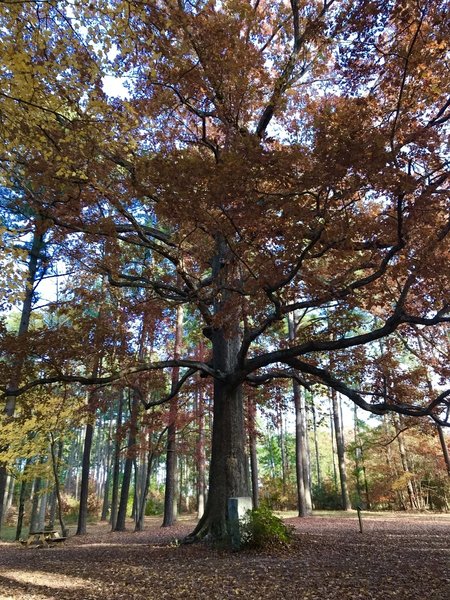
(105, 503)
(357, 454)
(170, 493)
(444, 447)
(89, 435)
(19, 360)
(116, 465)
(405, 463)
(128, 468)
(34, 519)
(306, 454)
(152, 453)
(10, 484)
(70, 485)
(52, 510)
(340, 447)
(299, 449)
(43, 506)
(143, 501)
(84, 487)
(252, 435)
(302, 466)
(56, 456)
(391, 464)
(24, 486)
(200, 453)
(282, 443)
(316, 447)
(333, 446)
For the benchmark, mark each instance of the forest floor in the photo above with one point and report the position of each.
(404, 557)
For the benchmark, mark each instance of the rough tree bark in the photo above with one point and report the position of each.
(229, 473)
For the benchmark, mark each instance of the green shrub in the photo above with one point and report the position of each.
(155, 504)
(263, 529)
(326, 496)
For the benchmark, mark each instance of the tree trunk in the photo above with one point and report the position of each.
(444, 447)
(170, 493)
(229, 473)
(357, 455)
(200, 454)
(316, 448)
(140, 514)
(360, 462)
(333, 446)
(19, 360)
(340, 447)
(302, 460)
(252, 435)
(52, 510)
(282, 444)
(24, 486)
(73, 462)
(306, 456)
(105, 503)
(405, 463)
(151, 454)
(84, 491)
(10, 484)
(301, 456)
(440, 431)
(56, 461)
(84, 487)
(391, 463)
(34, 519)
(116, 466)
(127, 472)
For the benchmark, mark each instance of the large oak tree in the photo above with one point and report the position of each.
(271, 158)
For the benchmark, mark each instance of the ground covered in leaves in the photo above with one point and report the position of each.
(401, 557)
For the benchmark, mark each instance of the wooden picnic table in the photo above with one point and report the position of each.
(43, 538)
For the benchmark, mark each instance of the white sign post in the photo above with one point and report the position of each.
(237, 509)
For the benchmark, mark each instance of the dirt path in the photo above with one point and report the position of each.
(401, 558)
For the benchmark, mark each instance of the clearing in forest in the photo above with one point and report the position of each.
(397, 556)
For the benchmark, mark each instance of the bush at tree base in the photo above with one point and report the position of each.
(263, 529)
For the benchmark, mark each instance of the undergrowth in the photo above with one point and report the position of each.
(262, 529)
